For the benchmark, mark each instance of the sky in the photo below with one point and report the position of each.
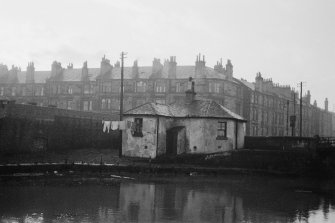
(287, 40)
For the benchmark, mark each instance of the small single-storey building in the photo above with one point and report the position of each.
(187, 126)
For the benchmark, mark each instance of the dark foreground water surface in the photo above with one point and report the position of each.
(169, 199)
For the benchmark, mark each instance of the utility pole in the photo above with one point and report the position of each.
(301, 83)
(121, 100)
(288, 106)
(293, 117)
(300, 109)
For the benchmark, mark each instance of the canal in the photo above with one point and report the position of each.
(167, 199)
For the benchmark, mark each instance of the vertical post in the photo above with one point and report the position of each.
(121, 89)
(300, 109)
(288, 104)
(293, 121)
(121, 102)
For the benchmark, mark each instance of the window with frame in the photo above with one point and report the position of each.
(106, 87)
(137, 127)
(87, 89)
(179, 87)
(103, 104)
(69, 90)
(222, 130)
(160, 87)
(141, 86)
(86, 105)
(69, 105)
(214, 87)
(13, 91)
(2, 90)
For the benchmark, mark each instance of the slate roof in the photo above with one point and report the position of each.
(248, 84)
(74, 74)
(197, 109)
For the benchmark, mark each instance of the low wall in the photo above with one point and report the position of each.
(279, 143)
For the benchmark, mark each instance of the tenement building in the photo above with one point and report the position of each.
(270, 109)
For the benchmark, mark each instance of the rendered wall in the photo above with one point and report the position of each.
(145, 146)
(201, 135)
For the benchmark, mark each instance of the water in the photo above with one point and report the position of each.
(180, 199)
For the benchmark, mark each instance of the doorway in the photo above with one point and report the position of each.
(175, 140)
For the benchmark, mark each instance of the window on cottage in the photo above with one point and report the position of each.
(2, 90)
(141, 86)
(222, 130)
(137, 127)
(42, 91)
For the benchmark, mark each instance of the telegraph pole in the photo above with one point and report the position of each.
(288, 106)
(293, 119)
(121, 100)
(300, 109)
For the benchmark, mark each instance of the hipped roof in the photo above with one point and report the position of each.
(196, 109)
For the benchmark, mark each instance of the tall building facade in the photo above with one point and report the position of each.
(269, 108)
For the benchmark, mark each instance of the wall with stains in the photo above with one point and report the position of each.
(144, 146)
(201, 135)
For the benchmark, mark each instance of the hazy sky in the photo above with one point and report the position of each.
(286, 40)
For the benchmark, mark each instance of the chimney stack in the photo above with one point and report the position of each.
(30, 74)
(200, 67)
(190, 92)
(105, 67)
(135, 72)
(229, 70)
(157, 68)
(84, 72)
(172, 68)
(326, 104)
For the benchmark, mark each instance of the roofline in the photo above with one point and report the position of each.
(202, 117)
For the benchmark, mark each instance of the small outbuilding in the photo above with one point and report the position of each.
(187, 126)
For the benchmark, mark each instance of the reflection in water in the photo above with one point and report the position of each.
(230, 199)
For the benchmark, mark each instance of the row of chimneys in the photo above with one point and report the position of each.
(106, 69)
(307, 97)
